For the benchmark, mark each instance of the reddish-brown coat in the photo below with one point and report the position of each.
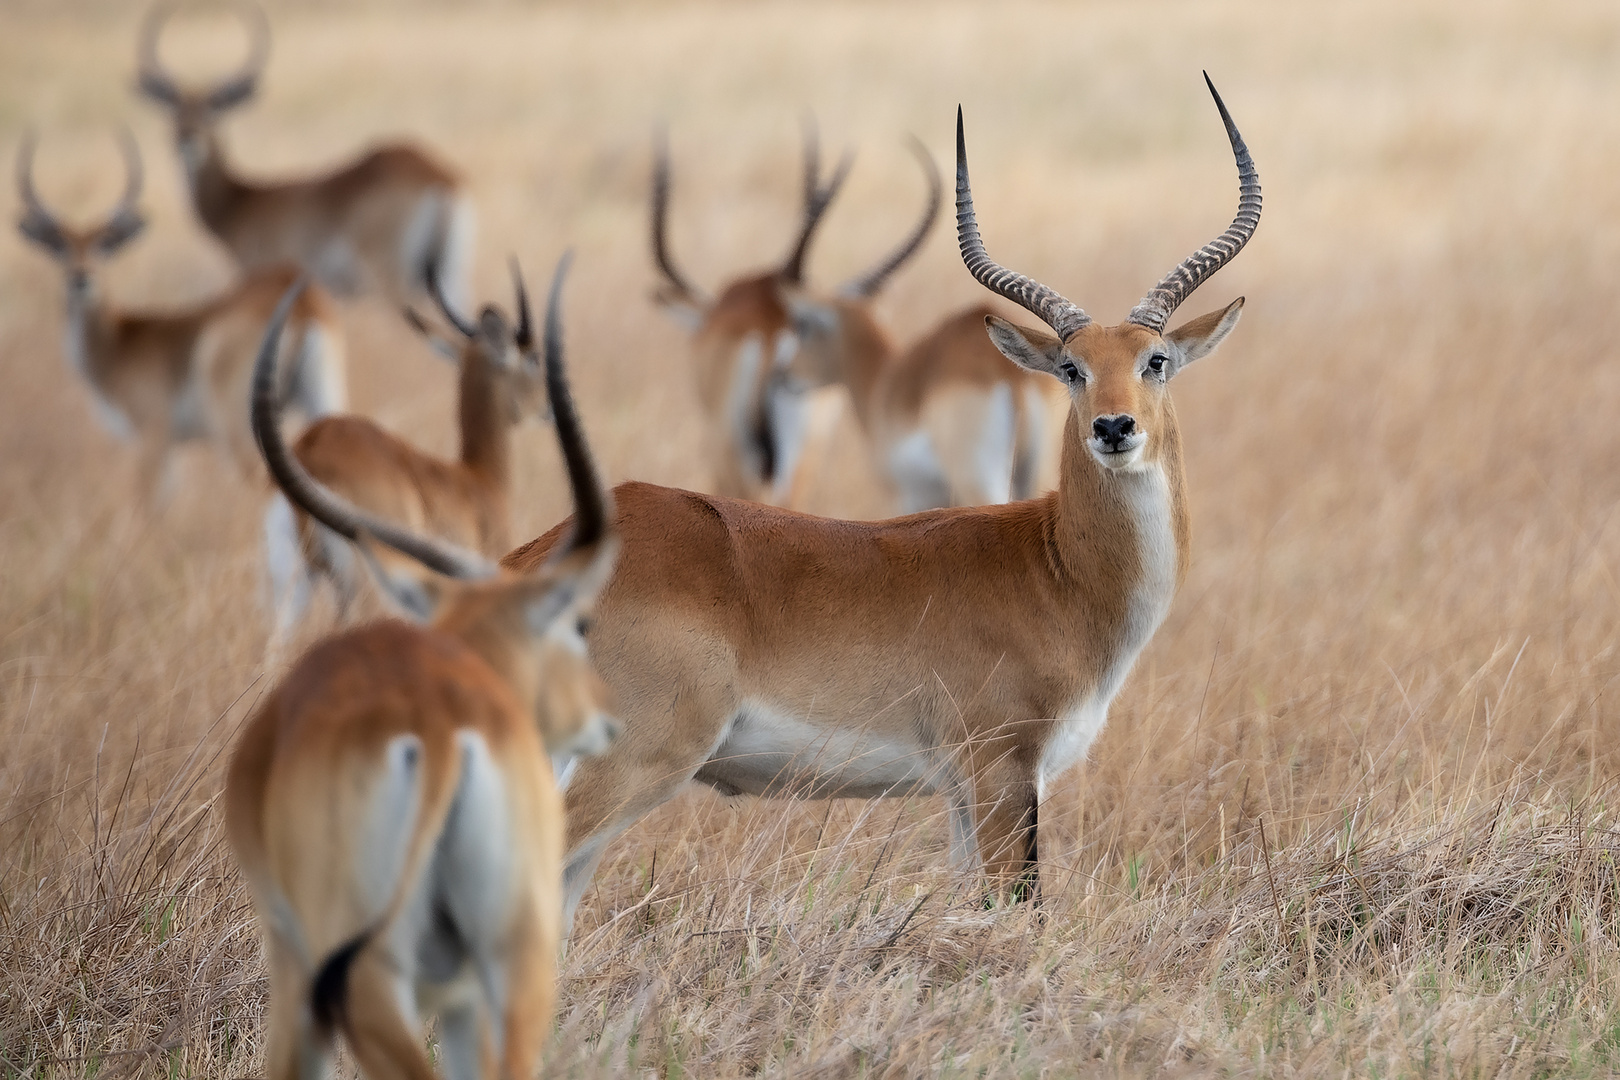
(970, 633)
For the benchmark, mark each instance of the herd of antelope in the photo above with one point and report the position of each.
(419, 804)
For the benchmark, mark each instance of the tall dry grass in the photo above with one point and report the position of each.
(1354, 813)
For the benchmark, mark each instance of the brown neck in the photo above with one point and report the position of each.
(89, 329)
(215, 191)
(486, 437)
(491, 626)
(864, 351)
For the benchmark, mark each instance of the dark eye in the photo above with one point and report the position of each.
(1156, 364)
(1070, 372)
(583, 626)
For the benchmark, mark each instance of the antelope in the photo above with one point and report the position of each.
(465, 501)
(162, 378)
(391, 803)
(376, 225)
(742, 338)
(967, 652)
(950, 421)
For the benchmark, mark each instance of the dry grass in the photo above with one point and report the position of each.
(1355, 813)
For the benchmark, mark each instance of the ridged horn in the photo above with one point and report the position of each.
(1155, 309)
(870, 282)
(817, 197)
(315, 498)
(592, 504)
(1063, 316)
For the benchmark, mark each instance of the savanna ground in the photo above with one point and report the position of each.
(1354, 813)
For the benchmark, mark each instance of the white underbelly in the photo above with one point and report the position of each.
(766, 752)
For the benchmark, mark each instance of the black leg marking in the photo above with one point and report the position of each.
(1028, 886)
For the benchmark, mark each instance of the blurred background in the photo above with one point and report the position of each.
(1402, 609)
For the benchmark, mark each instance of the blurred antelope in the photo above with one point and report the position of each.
(742, 340)
(465, 501)
(966, 652)
(949, 420)
(160, 378)
(378, 225)
(391, 804)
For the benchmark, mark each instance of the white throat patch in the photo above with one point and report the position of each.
(1147, 497)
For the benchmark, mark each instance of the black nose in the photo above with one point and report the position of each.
(1113, 430)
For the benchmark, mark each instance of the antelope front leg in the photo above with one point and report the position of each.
(1006, 812)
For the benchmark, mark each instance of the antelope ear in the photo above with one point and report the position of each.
(43, 232)
(541, 606)
(234, 93)
(120, 231)
(680, 307)
(811, 319)
(441, 348)
(1199, 337)
(157, 88)
(1033, 350)
(416, 599)
(574, 584)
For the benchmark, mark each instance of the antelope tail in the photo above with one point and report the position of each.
(412, 777)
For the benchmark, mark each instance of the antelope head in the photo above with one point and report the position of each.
(197, 109)
(1116, 375)
(830, 329)
(530, 628)
(506, 349)
(684, 301)
(76, 249)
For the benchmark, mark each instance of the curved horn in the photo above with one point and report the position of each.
(37, 222)
(1060, 314)
(154, 81)
(125, 222)
(816, 200)
(677, 282)
(524, 335)
(870, 282)
(134, 174)
(319, 501)
(436, 290)
(592, 505)
(240, 87)
(1154, 309)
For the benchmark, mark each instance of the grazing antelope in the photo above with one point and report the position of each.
(391, 803)
(465, 501)
(968, 652)
(378, 225)
(160, 378)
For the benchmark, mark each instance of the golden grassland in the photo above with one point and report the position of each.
(1355, 811)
